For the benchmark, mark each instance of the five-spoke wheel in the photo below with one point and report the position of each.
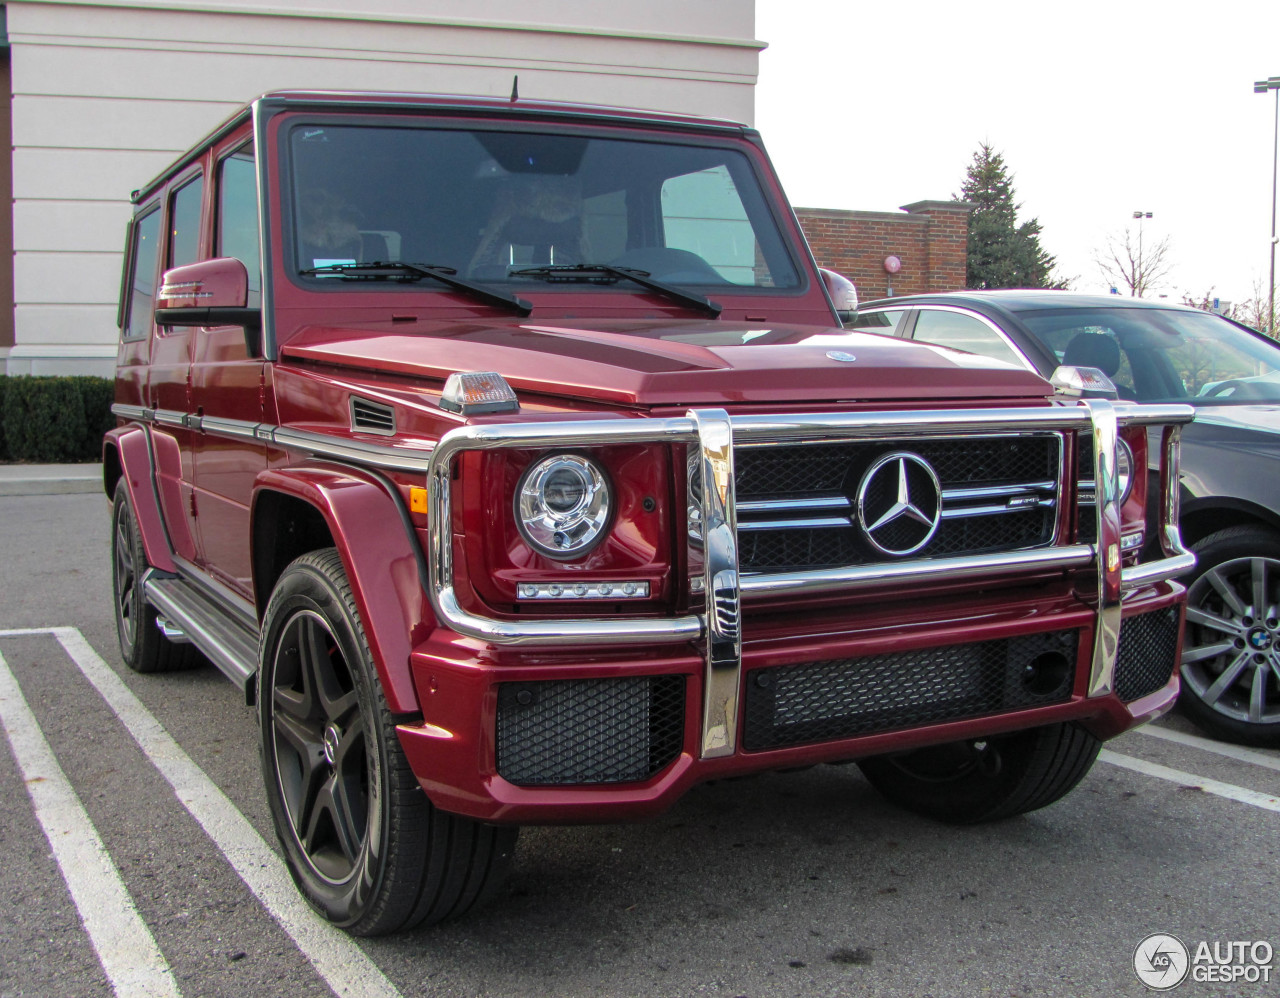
(142, 646)
(362, 841)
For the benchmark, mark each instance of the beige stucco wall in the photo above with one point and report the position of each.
(106, 94)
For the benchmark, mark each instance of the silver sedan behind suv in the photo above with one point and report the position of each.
(1155, 352)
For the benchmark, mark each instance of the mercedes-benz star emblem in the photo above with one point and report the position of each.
(899, 503)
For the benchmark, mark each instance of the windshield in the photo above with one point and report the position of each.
(484, 205)
(1163, 355)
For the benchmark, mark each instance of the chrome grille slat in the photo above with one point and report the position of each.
(797, 508)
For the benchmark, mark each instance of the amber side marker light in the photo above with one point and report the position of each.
(418, 499)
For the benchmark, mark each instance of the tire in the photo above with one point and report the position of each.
(142, 646)
(364, 844)
(987, 779)
(1231, 646)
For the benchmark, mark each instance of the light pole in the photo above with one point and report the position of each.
(1140, 271)
(1261, 87)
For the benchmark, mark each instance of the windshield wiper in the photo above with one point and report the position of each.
(382, 270)
(583, 271)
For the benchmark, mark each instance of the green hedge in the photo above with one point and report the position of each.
(54, 419)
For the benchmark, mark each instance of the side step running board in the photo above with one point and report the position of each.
(224, 639)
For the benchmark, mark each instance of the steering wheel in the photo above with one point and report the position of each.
(1224, 386)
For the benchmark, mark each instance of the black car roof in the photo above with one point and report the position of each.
(1022, 300)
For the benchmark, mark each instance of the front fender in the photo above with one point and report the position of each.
(364, 520)
(132, 455)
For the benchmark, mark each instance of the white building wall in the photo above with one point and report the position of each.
(106, 94)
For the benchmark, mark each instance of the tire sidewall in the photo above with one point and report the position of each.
(305, 587)
(1211, 552)
(122, 510)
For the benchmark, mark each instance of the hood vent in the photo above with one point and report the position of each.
(372, 417)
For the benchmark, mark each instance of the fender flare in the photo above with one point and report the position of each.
(132, 447)
(380, 559)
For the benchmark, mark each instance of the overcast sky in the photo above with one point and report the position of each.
(1100, 109)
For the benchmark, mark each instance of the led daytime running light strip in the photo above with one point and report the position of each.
(583, 590)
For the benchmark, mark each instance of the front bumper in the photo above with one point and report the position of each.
(475, 733)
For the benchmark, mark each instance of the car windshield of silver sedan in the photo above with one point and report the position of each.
(1163, 355)
(506, 207)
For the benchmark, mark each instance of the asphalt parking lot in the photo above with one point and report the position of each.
(139, 857)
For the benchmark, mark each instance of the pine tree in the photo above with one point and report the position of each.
(1002, 252)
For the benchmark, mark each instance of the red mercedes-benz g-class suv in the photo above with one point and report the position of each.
(511, 458)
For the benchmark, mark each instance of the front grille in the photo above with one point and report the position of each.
(1145, 657)
(1087, 530)
(797, 503)
(824, 701)
(579, 731)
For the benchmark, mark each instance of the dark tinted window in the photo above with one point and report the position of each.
(184, 223)
(142, 283)
(238, 216)
(963, 332)
(877, 322)
(1164, 355)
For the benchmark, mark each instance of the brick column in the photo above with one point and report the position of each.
(947, 241)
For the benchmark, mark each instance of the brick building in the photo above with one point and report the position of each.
(930, 241)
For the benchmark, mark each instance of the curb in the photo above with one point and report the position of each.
(47, 480)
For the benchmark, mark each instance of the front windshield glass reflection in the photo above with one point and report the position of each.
(1164, 355)
(488, 204)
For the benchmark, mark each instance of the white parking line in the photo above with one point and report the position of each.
(337, 959)
(1227, 790)
(1252, 756)
(126, 949)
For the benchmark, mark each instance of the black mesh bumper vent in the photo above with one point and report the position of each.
(823, 701)
(578, 731)
(1145, 659)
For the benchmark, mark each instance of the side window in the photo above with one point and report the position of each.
(964, 332)
(142, 276)
(184, 223)
(877, 322)
(238, 217)
(703, 214)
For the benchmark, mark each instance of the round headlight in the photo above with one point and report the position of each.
(562, 505)
(1124, 469)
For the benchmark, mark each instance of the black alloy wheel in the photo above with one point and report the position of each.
(143, 646)
(364, 844)
(986, 779)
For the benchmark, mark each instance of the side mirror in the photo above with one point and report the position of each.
(844, 296)
(210, 293)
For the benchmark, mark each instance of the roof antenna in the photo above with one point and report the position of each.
(515, 89)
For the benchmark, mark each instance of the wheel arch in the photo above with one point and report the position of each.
(301, 509)
(126, 459)
(1207, 516)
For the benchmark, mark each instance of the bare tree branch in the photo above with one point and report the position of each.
(1134, 264)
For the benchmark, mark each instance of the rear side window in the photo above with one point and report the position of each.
(238, 217)
(142, 280)
(877, 322)
(964, 332)
(184, 223)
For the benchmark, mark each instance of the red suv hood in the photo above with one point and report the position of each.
(666, 363)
